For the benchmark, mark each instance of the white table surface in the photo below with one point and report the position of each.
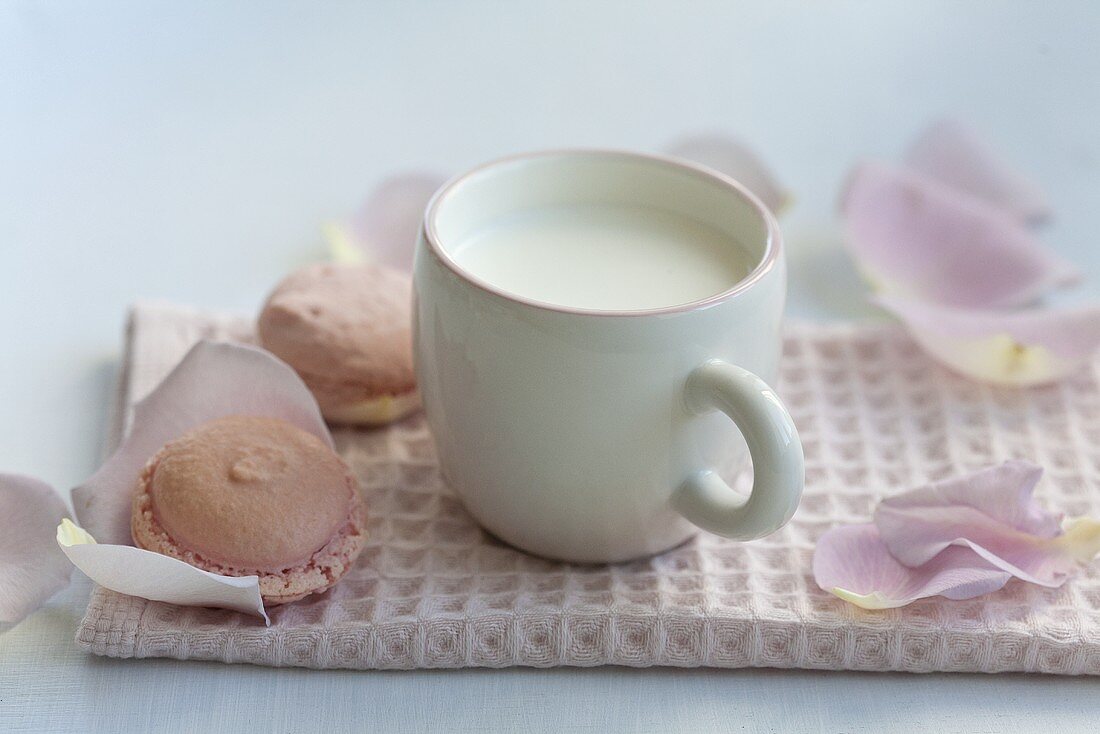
(190, 151)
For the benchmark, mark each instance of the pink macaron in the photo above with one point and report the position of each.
(346, 330)
(251, 496)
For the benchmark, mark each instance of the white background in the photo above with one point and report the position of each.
(191, 151)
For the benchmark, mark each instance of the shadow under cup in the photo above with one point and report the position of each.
(589, 434)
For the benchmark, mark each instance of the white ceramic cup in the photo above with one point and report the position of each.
(602, 436)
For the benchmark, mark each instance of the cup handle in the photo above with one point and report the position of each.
(776, 452)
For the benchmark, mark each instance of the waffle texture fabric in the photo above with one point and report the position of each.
(431, 590)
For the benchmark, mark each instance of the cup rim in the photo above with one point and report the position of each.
(772, 248)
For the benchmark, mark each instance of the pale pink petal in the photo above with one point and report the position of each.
(1081, 539)
(852, 562)
(137, 572)
(955, 154)
(342, 248)
(387, 226)
(32, 569)
(991, 512)
(213, 380)
(1015, 348)
(1004, 493)
(734, 159)
(916, 237)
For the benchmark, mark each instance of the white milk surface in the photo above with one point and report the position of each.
(602, 256)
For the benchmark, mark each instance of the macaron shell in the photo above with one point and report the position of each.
(346, 330)
(318, 574)
(249, 492)
(324, 569)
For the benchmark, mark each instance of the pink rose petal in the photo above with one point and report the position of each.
(387, 226)
(736, 160)
(1006, 347)
(138, 572)
(991, 512)
(919, 238)
(341, 246)
(32, 569)
(852, 562)
(954, 154)
(1002, 493)
(212, 380)
(957, 538)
